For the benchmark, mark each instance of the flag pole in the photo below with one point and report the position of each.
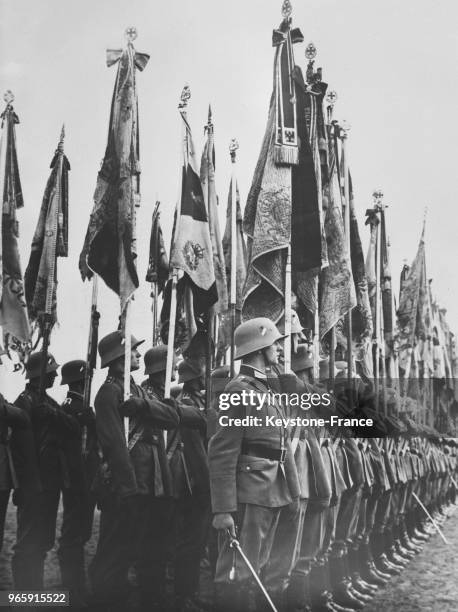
(91, 355)
(331, 98)
(47, 316)
(378, 197)
(182, 106)
(211, 311)
(127, 360)
(287, 340)
(345, 128)
(154, 288)
(233, 146)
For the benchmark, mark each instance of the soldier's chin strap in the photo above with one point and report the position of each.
(234, 543)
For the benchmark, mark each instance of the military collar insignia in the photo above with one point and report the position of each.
(252, 371)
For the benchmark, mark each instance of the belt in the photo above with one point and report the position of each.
(264, 452)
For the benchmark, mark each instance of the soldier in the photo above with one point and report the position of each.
(189, 466)
(252, 469)
(132, 478)
(78, 498)
(38, 454)
(11, 418)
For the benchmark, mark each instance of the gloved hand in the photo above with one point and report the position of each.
(133, 406)
(223, 521)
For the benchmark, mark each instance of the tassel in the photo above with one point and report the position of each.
(286, 155)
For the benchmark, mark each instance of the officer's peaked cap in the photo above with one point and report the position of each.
(112, 346)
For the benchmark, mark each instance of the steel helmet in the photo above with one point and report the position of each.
(254, 335)
(188, 370)
(34, 362)
(302, 359)
(156, 359)
(296, 326)
(112, 346)
(72, 371)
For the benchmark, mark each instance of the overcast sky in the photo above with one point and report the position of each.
(393, 65)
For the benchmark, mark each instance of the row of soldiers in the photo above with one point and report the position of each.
(322, 515)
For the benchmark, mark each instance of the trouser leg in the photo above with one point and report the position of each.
(193, 517)
(4, 499)
(36, 529)
(109, 568)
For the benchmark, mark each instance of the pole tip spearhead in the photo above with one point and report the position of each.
(60, 146)
(8, 96)
(184, 98)
(131, 34)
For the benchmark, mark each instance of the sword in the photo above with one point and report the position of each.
(430, 518)
(234, 543)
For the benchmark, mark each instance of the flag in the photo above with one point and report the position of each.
(158, 267)
(207, 178)
(191, 250)
(225, 330)
(109, 247)
(13, 308)
(50, 241)
(337, 288)
(413, 286)
(240, 246)
(362, 324)
(282, 207)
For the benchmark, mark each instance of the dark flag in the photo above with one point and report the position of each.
(158, 267)
(282, 207)
(13, 308)
(109, 247)
(50, 241)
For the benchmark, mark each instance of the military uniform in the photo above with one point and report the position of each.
(78, 496)
(11, 418)
(131, 478)
(189, 466)
(41, 469)
(252, 476)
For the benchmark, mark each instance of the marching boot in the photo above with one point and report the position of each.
(341, 589)
(406, 541)
(368, 569)
(354, 567)
(298, 594)
(320, 594)
(363, 594)
(390, 550)
(381, 561)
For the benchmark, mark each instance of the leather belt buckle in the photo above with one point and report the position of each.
(282, 455)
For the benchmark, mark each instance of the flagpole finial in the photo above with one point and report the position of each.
(345, 127)
(233, 146)
(209, 126)
(310, 52)
(131, 34)
(60, 146)
(331, 98)
(8, 96)
(286, 9)
(184, 98)
(377, 196)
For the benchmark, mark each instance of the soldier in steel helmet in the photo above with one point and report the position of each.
(131, 478)
(252, 469)
(78, 497)
(11, 417)
(41, 469)
(186, 451)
